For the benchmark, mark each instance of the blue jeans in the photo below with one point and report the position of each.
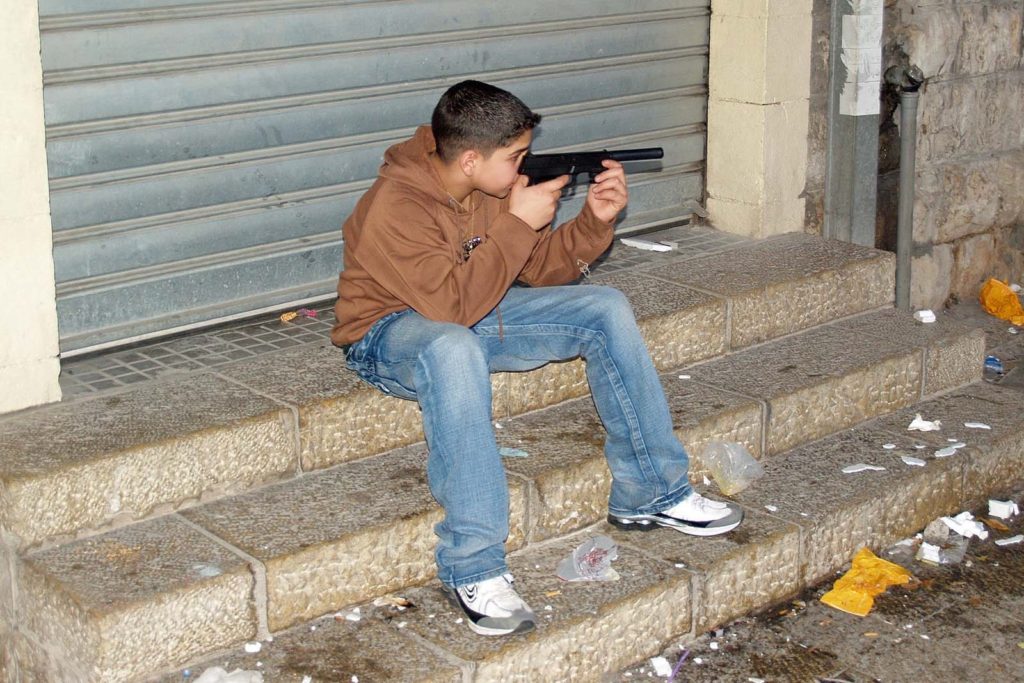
(446, 367)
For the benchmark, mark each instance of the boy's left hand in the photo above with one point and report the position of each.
(608, 195)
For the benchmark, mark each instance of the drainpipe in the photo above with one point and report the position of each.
(908, 80)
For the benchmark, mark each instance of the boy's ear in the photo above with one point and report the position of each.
(468, 161)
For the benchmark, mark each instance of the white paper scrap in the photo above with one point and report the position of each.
(945, 452)
(866, 6)
(1012, 540)
(929, 552)
(860, 98)
(965, 525)
(861, 467)
(1003, 509)
(253, 647)
(771, 508)
(661, 667)
(916, 462)
(216, 674)
(976, 425)
(646, 245)
(888, 446)
(924, 316)
(919, 424)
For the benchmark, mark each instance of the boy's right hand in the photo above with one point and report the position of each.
(535, 205)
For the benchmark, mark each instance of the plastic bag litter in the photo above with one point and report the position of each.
(731, 465)
(1001, 301)
(590, 561)
(869, 576)
(215, 674)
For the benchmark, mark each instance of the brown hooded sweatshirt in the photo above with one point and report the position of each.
(404, 248)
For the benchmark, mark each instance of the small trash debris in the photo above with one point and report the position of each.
(307, 313)
(920, 446)
(590, 561)
(731, 465)
(945, 452)
(661, 667)
(289, 316)
(508, 452)
(1003, 509)
(646, 245)
(889, 446)
(1012, 540)
(976, 425)
(349, 615)
(684, 377)
(253, 647)
(771, 508)
(215, 674)
(919, 424)
(498, 425)
(924, 316)
(552, 594)
(395, 601)
(995, 524)
(965, 525)
(929, 553)
(307, 679)
(869, 575)
(915, 462)
(1013, 330)
(993, 369)
(713, 645)
(861, 467)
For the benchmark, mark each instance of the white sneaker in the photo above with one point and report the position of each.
(695, 515)
(493, 607)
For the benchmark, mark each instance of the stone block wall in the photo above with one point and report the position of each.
(969, 195)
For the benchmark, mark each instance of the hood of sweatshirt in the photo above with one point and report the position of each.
(409, 163)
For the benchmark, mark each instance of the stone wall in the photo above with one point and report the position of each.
(28, 337)
(969, 196)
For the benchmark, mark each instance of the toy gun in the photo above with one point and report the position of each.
(542, 167)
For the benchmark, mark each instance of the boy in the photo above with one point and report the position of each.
(426, 311)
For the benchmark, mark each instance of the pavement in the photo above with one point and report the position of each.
(962, 622)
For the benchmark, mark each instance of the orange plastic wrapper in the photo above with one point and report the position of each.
(869, 576)
(998, 299)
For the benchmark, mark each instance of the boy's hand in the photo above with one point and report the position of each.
(535, 205)
(608, 194)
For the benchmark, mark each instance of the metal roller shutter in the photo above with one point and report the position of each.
(202, 155)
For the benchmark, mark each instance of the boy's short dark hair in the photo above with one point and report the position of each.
(480, 116)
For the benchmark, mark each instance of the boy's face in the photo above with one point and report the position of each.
(495, 174)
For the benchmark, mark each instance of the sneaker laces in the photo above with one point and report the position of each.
(706, 504)
(500, 591)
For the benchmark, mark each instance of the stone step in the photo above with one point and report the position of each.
(674, 587)
(360, 529)
(99, 462)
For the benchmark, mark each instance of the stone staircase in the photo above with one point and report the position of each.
(160, 527)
